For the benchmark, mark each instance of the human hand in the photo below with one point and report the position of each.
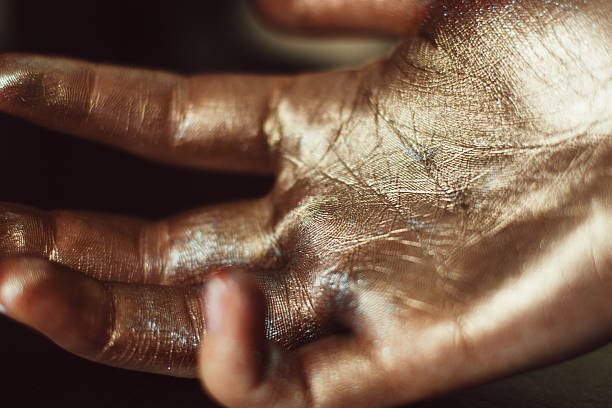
(439, 217)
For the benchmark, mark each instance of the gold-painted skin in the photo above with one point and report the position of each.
(440, 217)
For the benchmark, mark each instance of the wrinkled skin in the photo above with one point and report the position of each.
(440, 218)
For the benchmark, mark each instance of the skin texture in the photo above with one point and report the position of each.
(440, 217)
(382, 17)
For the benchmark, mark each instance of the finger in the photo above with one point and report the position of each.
(122, 249)
(387, 17)
(211, 121)
(234, 353)
(229, 235)
(139, 327)
(240, 368)
(101, 246)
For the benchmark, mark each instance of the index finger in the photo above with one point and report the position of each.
(209, 121)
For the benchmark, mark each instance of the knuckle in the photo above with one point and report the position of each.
(108, 347)
(154, 251)
(174, 127)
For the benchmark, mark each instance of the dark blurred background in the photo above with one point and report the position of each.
(50, 170)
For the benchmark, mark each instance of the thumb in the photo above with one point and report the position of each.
(237, 365)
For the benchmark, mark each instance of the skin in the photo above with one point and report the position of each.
(440, 218)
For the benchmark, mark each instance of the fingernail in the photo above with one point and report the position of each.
(216, 295)
(2, 309)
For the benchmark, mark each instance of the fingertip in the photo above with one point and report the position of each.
(15, 274)
(17, 73)
(68, 308)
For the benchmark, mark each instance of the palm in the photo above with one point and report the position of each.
(419, 202)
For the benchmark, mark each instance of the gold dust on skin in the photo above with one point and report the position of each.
(454, 183)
